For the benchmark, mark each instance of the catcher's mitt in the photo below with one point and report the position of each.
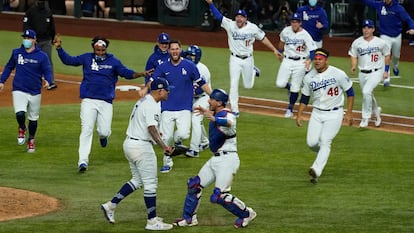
(179, 150)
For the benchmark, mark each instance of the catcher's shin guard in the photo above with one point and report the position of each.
(192, 199)
(230, 203)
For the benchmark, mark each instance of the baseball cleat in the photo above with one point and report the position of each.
(21, 138)
(203, 146)
(237, 114)
(103, 141)
(157, 224)
(243, 222)
(192, 154)
(109, 211)
(364, 123)
(288, 113)
(31, 146)
(52, 86)
(378, 117)
(181, 222)
(314, 177)
(396, 71)
(166, 169)
(257, 71)
(82, 167)
(386, 84)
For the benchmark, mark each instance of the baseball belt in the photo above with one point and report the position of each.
(240, 56)
(369, 71)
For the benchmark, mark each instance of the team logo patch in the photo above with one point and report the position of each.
(177, 5)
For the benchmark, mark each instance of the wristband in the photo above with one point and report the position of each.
(221, 121)
(387, 68)
(280, 50)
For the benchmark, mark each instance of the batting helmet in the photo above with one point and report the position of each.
(220, 95)
(194, 50)
(101, 41)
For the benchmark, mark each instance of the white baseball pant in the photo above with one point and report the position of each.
(245, 68)
(198, 131)
(368, 82)
(25, 102)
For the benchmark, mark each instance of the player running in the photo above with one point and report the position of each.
(299, 48)
(326, 84)
(241, 34)
(372, 55)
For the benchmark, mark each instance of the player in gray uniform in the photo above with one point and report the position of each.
(372, 55)
(326, 84)
(298, 48)
(142, 132)
(220, 168)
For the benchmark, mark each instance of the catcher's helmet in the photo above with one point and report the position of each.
(220, 95)
(194, 50)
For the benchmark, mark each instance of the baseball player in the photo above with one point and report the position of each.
(31, 65)
(97, 91)
(299, 48)
(160, 53)
(391, 16)
(220, 168)
(141, 133)
(372, 55)
(314, 20)
(199, 139)
(241, 34)
(326, 84)
(176, 111)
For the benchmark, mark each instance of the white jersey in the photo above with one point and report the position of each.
(147, 112)
(297, 44)
(326, 88)
(370, 54)
(204, 73)
(241, 39)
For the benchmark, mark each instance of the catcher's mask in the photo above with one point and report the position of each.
(220, 95)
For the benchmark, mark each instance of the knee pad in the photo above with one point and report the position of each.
(230, 203)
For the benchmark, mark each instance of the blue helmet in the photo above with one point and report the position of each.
(193, 50)
(220, 95)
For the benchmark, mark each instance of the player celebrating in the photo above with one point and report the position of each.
(314, 20)
(31, 65)
(241, 34)
(373, 57)
(176, 111)
(326, 84)
(199, 139)
(160, 53)
(391, 16)
(299, 48)
(220, 168)
(97, 91)
(141, 133)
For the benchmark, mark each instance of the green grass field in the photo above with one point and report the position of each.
(367, 185)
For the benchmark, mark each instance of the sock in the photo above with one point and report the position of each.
(32, 129)
(21, 119)
(151, 203)
(126, 189)
(292, 100)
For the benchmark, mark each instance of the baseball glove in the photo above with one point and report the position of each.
(179, 150)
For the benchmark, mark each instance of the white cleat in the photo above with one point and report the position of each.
(21, 138)
(109, 211)
(157, 224)
(378, 117)
(364, 123)
(288, 113)
(243, 222)
(181, 222)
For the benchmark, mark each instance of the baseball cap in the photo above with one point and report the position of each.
(241, 12)
(160, 83)
(295, 16)
(368, 23)
(29, 33)
(163, 38)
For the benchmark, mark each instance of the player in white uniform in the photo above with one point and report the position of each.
(220, 169)
(372, 55)
(326, 84)
(142, 132)
(241, 34)
(298, 48)
(199, 139)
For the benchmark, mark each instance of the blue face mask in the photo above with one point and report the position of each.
(100, 58)
(27, 43)
(312, 3)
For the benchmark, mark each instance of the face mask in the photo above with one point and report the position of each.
(27, 43)
(312, 2)
(100, 58)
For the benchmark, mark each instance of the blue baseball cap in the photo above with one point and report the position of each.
(295, 16)
(368, 23)
(241, 12)
(160, 83)
(29, 33)
(164, 38)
